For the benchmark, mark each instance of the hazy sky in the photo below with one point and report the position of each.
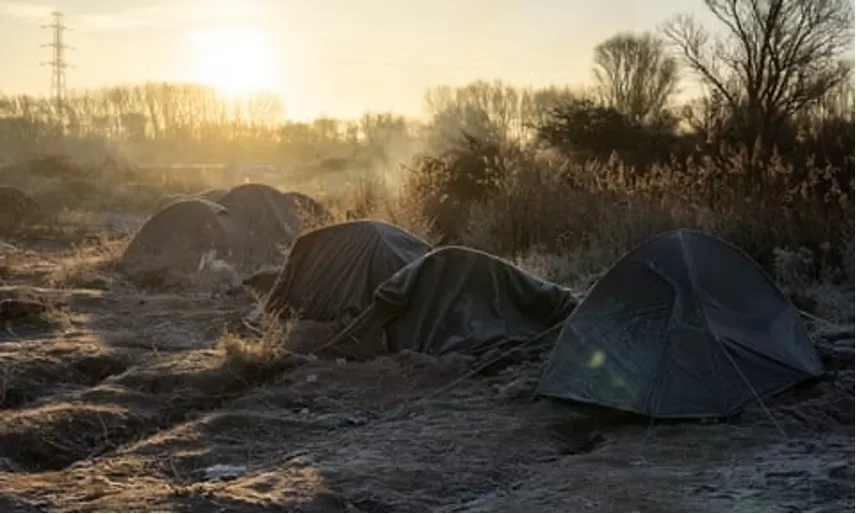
(335, 57)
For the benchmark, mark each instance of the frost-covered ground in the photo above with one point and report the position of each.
(118, 399)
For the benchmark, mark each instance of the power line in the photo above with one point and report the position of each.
(58, 63)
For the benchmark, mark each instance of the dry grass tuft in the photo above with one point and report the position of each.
(25, 309)
(90, 266)
(823, 291)
(260, 357)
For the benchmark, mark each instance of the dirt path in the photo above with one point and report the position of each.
(118, 400)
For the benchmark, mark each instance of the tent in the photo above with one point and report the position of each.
(455, 299)
(166, 200)
(17, 209)
(309, 212)
(211, 195)
(267, 223)
(332, 271)
(177, 237)
(683, 326)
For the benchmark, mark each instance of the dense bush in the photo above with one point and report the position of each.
(513, 202)
(449, 184)
(587, 130)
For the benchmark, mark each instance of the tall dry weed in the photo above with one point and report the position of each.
(599, 210)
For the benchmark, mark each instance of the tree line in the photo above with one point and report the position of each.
(774, 82)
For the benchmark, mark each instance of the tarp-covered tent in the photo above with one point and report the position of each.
(267, 223)
(683, 326)
(177, 237)
(331, 272)
(455, 299)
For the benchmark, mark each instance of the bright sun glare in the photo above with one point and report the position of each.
(236, 61)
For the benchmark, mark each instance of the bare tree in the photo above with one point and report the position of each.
(635, 75)
(774, 59)
(480, 108)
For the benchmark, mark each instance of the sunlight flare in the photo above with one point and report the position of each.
(238, 61)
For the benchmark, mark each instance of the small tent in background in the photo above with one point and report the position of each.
(17, 209)
(683, 326)
(177, 237)
(267, 222)
(166, 200)
(332, 271)
(212, 195)
(306, 212)
(455, 299)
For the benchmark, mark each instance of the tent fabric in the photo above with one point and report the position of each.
(684, 326)
(267, 223)
(178, 236)
(456, 299)
(331, 272)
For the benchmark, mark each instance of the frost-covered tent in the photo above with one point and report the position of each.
(177, 237)
(331, 272)
(455, 299)
(683, 326)
(267, 220)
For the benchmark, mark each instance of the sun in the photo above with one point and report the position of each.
(236, 61)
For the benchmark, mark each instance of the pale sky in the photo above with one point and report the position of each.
(334, 57)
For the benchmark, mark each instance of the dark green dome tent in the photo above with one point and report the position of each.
(683, 326)
(178, 236)
(267, 222)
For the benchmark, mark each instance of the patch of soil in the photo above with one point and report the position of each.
(55, 436)
(30, 372)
